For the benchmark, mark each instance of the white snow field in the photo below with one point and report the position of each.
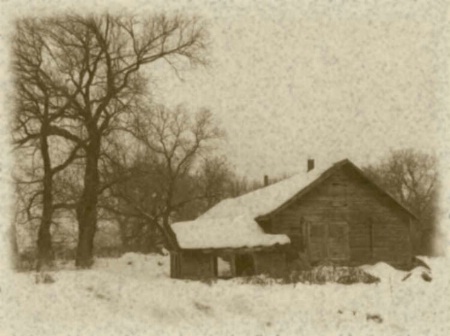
(133, 295)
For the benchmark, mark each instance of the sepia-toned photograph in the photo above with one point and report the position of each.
(239, 168)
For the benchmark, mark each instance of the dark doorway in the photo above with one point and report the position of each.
(245, 265)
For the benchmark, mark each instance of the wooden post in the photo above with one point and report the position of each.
(254, 257)
(215, 270)
(171, 265)
(411, 237)
(174, 265)
(233, 265)
(327, 241)
(372, 239)
(308, 244)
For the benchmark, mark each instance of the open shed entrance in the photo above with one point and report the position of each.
(245, 265)
(224, 267)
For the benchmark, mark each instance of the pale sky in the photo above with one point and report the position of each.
(326, 80)
(290, 80)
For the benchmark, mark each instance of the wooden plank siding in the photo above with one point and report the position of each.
(193, 265)
(348, 220)
(271, 263)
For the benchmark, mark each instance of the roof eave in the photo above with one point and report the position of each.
(243, 249)
(303, 191)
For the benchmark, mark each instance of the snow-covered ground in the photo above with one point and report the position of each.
(133, 295)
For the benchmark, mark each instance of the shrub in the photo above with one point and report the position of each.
(208, 280)
(44, 278)
(261, 280)
(203, 307)
(330, 273)
(374, 317)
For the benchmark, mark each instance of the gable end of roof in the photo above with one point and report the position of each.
(323, 177)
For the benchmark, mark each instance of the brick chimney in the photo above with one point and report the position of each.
(310, 165)
(266, 180)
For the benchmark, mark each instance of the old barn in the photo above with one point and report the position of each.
(336, 215)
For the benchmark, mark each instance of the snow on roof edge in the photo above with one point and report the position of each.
(263, 201)
(240, 232)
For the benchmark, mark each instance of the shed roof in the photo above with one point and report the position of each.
(263, 201)
(226, 232)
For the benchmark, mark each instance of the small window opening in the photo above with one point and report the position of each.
(224, 267)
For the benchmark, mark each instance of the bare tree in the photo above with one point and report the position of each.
(239, 185)
(137, 203)
(412, 178)
(211, 184)
(11, 234)
(95, 64)
(38, 110)
(172, 143)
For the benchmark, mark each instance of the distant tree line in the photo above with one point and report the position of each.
(412, 178)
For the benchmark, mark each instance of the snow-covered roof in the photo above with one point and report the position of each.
(231, 223)
(237, 232)
(264, 200)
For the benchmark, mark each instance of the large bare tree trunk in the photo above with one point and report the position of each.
(87, 206)
(94, 78)
(44, 240)
(169, 235)
(14, 247)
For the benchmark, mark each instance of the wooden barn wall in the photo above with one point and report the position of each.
(196, 265)
(272, 263)
(375, 227)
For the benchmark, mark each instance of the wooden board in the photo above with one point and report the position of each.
(376, 228)
(329, 241)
